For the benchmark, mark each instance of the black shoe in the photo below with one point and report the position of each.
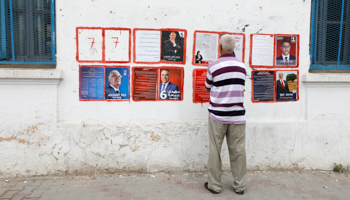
(240, 193)
(206, 187)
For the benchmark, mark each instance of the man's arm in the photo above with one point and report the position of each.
(207, 90)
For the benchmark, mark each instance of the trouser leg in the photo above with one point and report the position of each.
(217, 133)
(235, 138)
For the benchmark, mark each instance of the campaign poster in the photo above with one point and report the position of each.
(261, 50)
(172, 46)
(145, 84)
(147, 45)
(92, 83)
(263, 86)
(117, 83)
(286, 85)
(206, 47)
(200, 94)
(286, 50)
(170, 84)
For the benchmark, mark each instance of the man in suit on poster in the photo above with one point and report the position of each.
(286, 58)
(167, 89)
(282, 85)
(115, 80)
(172, 48)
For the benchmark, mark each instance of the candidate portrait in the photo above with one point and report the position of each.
(281, 84)
(172, 46)
(167, 89)
(286, 58)
(115, 81)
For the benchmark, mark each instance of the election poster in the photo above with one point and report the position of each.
(275, 86)
(91, 83)
(199, 92)
(287, 85)
(206, 43)
(154, 46)
(117, 83)
(286, 50)
(274, 50)
(170, 85)
(145, 83)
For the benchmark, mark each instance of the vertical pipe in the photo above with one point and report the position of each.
(53, 32)
(341, 30)
(12, 35)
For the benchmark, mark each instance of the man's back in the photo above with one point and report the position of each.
(226, 81)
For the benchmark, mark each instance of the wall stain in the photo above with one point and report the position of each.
(155, 137)
(28, 131)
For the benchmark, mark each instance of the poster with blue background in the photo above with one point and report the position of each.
(117, 83)
(92, 83)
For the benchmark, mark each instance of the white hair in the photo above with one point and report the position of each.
(110, 73)
(228, 42)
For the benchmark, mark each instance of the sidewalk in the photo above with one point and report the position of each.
(260, 185)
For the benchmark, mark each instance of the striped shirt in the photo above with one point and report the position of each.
(226, 80)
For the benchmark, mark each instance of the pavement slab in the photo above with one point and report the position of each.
(271, 185)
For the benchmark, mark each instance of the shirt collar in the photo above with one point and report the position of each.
(228, 55)
(115, 89)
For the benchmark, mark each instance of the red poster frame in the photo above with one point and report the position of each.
(157, 83)
(214, 32)
(160, 62)
(103, 45)
(274, 51)
(275, 92)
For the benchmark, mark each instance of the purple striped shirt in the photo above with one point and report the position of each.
(226, 81)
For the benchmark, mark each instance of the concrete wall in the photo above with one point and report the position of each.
(45, 129)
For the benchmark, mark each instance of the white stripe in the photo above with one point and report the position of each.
(230, 118)
(226, 64)
(229, 75)
(207, 85)
(227, 100)
(228, 88)
(226, 109)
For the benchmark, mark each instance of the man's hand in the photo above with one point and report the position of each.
(207, 90)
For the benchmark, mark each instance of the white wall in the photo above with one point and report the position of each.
(45, 129)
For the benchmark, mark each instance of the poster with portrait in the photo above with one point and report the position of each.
(286, 85)
(286, 50)
(170, 85)
(172, 45)
(274, 50)
(117, 83)
(154, 46)
(275, 86)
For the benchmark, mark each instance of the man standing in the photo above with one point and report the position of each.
(172, 48)
(112, 91)
(286, 58)
(167, 89)
(282, 85)
(225, 82)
